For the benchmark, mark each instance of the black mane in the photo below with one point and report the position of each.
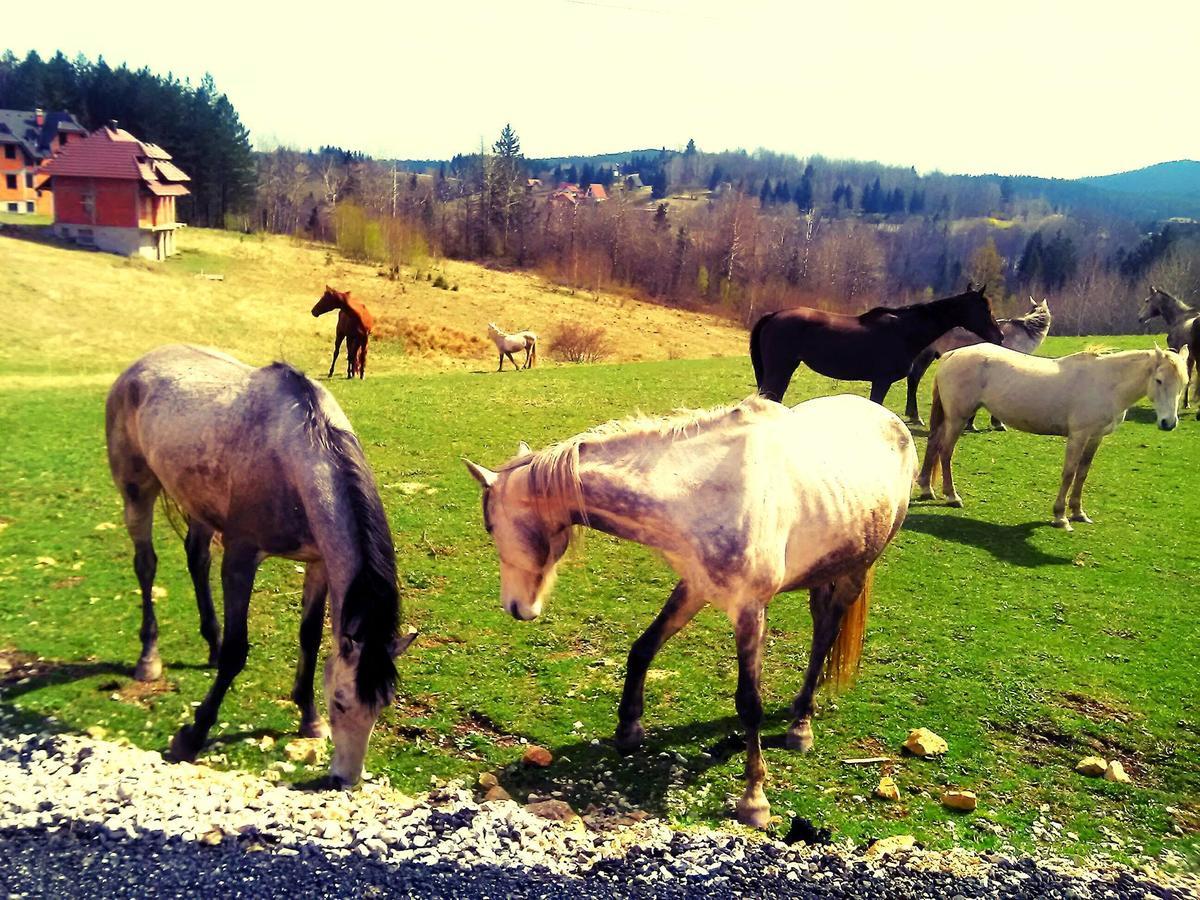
(878, 312)
(371, 607)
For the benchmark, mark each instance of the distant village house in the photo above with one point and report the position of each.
(116, 193)
(27, 139)
(575, 194)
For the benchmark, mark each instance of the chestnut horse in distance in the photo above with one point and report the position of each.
(354, 326)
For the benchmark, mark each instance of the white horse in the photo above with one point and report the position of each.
(1082, 397)
(744, 503)
(507, 344)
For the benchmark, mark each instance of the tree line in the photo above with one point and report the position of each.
(196, 124)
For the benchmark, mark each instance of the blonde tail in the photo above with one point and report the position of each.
(841, 666)
(937, 417)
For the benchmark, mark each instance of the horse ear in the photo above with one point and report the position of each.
(486, 477)
(523, 449)
(1183, 353)
(402, 642)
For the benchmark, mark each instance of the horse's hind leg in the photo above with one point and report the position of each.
(828, 604)
(238, 566)
(749, 627)
(879, 391)
(198, 545)
(139, 521)
(337, 347)
(511, 360)
(680, 609)
(1076, 444)
(1081, 474)
(312, 622)
(777, 378)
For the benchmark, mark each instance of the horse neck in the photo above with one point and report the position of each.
(619, 496)
(1172, 309)
(1133, 376)
(931, 320)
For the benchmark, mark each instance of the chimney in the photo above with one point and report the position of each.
(111, 125)
(39, 117)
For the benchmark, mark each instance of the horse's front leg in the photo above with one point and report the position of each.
(500, 368)
(953, 431)
(679, 610)
(915, 374)
(1081, 474)
(312, 622)
(749, 626)
(1075, 446)
(237, 579)
(198, 545)
(511, 360)
(337, 347)
(827, 604)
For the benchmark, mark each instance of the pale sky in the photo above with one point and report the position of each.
(1042, 88)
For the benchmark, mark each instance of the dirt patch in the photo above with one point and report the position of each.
(73, 581)
(142, 693)
(1094, 709)
(477, 723)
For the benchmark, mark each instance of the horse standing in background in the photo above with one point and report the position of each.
(354, 326)
(267, 458)
(1023, 335)
(744, 503)
(1183, 327)
(878, 346)
(1082, 397)
(508, 344)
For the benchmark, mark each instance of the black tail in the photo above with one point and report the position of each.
(371, 607)
(756, 348)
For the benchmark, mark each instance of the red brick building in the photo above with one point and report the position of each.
(27, 139)
(117, 193)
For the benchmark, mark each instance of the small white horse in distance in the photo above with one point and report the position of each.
(508, 343)
(1082, 397)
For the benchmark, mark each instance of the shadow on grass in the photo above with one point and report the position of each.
(672, 756)
(1008, 543)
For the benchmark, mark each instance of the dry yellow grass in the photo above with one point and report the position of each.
(70, 312)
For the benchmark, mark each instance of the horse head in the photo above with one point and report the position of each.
(529, 541)
(977, 314)
(1168, 378)
(351, 717)
(330, 300)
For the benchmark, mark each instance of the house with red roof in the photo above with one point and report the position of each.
(116, 193)
(27, 139)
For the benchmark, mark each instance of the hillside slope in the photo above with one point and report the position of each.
(68, 310)
(1180, 177)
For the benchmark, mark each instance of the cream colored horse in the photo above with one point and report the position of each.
(744, 503)
(508, 344)
(1082, 397)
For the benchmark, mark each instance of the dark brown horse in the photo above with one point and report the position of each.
(879, 346)
(354, 327)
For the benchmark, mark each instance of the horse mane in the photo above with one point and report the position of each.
(554, 472)
(878, 312)
(1036, 321)
(371, 607)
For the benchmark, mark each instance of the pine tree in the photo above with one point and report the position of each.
(658, 189)
(764, 193)
(715, 178)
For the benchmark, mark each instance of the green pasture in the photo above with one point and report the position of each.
(1025, 647)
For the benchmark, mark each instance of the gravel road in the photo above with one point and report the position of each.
(90, 818)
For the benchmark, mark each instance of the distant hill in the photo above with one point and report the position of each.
(1181, 178)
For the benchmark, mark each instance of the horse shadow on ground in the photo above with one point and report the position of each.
(586, 773)
(1007, 543)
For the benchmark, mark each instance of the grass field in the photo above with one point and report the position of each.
(1026, 648)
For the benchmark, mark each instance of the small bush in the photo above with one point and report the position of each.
(579, 343)
(455, 288)
(441, 282)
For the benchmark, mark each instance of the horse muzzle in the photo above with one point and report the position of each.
(515, 610)
(1168, 424)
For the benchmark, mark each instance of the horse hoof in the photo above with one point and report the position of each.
(1081, 517)
(1000, 426)
(1063, 524)
(926, 495)
(317, 728)
(753, 810)
(148, 669)
(630, 737)
(955, 502)
(184, 745)
(799, 738)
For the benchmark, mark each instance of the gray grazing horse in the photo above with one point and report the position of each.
(1183, 326)
(1024, 334)
(744, 503)
(267, 458)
